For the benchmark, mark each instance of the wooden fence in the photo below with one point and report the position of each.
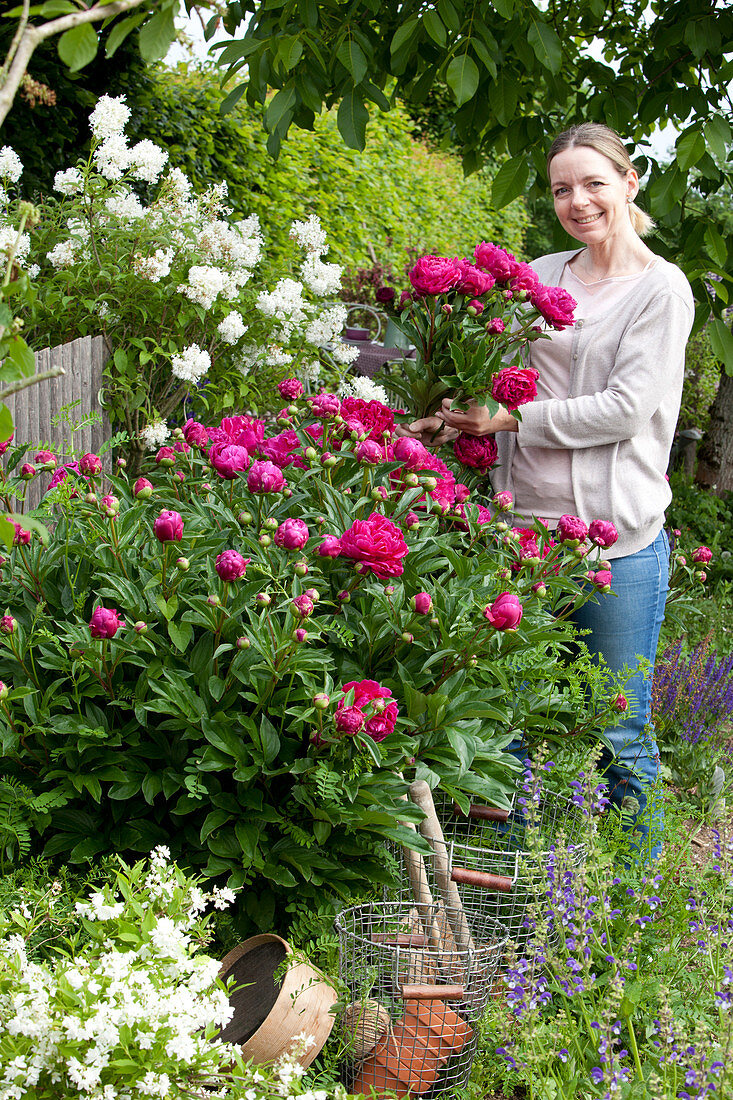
(46, 415)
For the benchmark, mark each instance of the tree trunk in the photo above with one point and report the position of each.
(715, 456)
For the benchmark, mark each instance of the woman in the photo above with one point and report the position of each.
(596, 441)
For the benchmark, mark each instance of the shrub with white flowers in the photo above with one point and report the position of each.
(135, 1011)
(168, 276)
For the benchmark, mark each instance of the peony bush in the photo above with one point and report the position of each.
(249, 651)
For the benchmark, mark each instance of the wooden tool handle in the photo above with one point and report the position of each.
(481, 878)
(483, 813)
(422, 796)
(432, 992)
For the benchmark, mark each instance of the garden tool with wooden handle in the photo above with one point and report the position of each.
(420, 887)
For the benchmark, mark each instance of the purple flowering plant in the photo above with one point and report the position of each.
(627, 983)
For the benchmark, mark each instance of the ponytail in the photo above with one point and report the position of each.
(641, 223)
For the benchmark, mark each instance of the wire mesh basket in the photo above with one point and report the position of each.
(417, 989)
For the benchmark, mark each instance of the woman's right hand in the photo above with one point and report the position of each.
(425, 431)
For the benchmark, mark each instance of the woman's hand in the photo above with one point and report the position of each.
(476, 420)
(430, 430)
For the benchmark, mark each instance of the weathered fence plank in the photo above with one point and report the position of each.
(35, 409)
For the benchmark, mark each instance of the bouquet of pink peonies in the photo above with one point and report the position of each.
(470, 322)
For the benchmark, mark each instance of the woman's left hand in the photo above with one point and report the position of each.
(477, 420)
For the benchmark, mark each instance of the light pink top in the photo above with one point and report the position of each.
(541, 476)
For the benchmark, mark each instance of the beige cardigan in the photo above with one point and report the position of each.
(619, 419)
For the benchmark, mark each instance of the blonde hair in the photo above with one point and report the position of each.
(605, 141)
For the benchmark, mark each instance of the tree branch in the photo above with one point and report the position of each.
(33, 36)
(16, 39)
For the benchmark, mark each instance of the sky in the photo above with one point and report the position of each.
(661, 144)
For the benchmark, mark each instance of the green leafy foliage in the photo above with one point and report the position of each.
(705, 519)
(198, 726)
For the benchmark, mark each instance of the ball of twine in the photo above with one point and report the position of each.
(364, 1024)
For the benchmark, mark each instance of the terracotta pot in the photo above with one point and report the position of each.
(273, 1004)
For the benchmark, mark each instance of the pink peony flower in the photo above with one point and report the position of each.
(621, 703)
(27, 471)
(411, 453)
(330, 547)
(61, 473)
(514, 386)
(435, 275)
(375, 417)
(242, 431)
(377, 543)
(142, 489)
(475, 307)
(292, 534)
(505, 613)
(476, 451)
(370, 699)
(349, 720)
(422, 603)
(555, 305)
(325, 406)
(7, 624)
(494, 260)
(369, 452)
(474, 282)
(230, 565)
(166, 456)
(6, 443)
(21, 536)
(602, 580)
(405, 299)
(603, 533)
(265, 477)
(195, 434)
(462, 492)
(495, 326)
(702, 555)
(105, 622)
(290, 388)
(571, 529)
(303, 606)
(229, 459)
(110, 505)
(523, 277)
(284, 450)
(168, 526)
(90, 465)
(46, 458)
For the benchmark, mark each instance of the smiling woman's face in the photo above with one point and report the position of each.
(590, 194)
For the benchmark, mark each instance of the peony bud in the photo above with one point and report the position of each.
(91, 498)
(495, 326)
(422, 603)
(183, 564)
(505, 613)
(428, 483)
(292, 534)
(7, 624)
(168, 526)
(701, 575)
(447, 309)
(265, 540)
(571, 530)
(312, 594)
(344, 596)
(301, 568)
(27, 471)
(702, 555)
(602, 533)
(475, 307)
(300, 635)
(681, 559)
(311, 454)
(330, 547)
(621, 703)
(412, 521)
(213, 600)
(244, 518)
(264, 599)
(303, 606)
(270, 523)
(321, 701)
(166, 457)
(105, 622)
(243, 643)
(142, 489)
(90, 465)
(231, 566)
(140, 627)
(110, 505)
(4, 690)
(121, 463)
(328, 460)
(539, 589)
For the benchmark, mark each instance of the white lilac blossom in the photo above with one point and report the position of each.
(249, 356)
(310, 235)
(364, 389)
(277, 356)
(113, 157)
(327, 326)
(148, 161)
(205, 284)
(323, 279)
(4, 197)
(154, 435)
(109, 117)
(154, 267)
(345, 353)
(238, 246)
(69, 182)
(11, 166)
(10, 242)
(232, 328)
(125, 205)
(191, 365)
(33, 271)
(310, 372)
(63, 254)
(285, 302)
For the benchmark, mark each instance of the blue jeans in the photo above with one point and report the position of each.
(624, 625)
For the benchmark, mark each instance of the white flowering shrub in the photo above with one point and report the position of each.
(169, 277)
(135, 1011)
